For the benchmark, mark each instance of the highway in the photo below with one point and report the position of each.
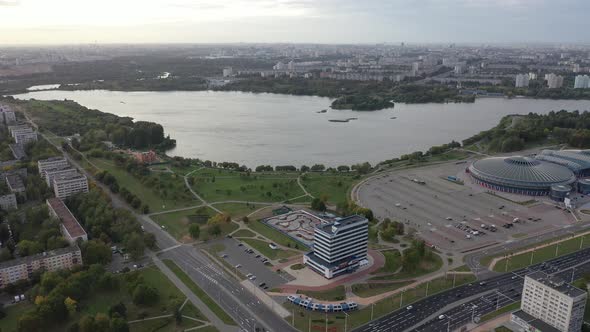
(459, 305)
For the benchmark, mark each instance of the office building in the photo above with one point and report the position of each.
(22, 268)
(582, 82)
(8, 202)
(70, 227)
(522, 81)
(554, 81)
(51, 163)
(339, 247)
(66, 185)
(52, 173)
(549, 300)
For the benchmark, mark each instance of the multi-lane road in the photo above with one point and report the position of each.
(462, 304)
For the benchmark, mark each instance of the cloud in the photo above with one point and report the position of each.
(9, 2)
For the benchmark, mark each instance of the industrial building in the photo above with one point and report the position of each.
(70, 227)
(22, 268)
(339, 247)
(550, 304)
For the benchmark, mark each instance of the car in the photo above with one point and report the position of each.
(483, 283)
(252, 277)
(514, 277)
(238, 266)
(262, 284)
(258, 256)
(163, 227)
(265, 287)
(441, 317)
(240, 244)
(449, 218)
(228, 236)
(224, 256)
(409, 307)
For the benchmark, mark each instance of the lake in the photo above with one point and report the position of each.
(255, 129)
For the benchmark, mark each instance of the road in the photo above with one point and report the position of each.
(459, 305)
(242, 306)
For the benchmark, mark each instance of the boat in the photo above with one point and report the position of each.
(393, 117)
(322, 111)
(337, 120)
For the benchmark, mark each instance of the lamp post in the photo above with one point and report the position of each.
(345, 322)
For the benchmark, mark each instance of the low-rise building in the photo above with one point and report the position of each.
(24, 136)
(552, 301)
(17, 127)
(70, 227)
(146, 157)
(15, 183)
(51, 163)
(22, 268)
(67, 185)
(8, 202)
(18, 151)
(339, 247)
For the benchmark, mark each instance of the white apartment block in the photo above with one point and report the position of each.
(522, 81)
(8, 202)
(51, 163)
(8, 117)
(552, 301)
(339, 247)
(554, 81)
(67, 185)
(582, 82)
(22, 268)
(52, 173)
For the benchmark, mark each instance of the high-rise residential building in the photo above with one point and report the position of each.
(22, 268)
(522, 81)
(582, 82)
(549, 300)
(24, 136)
(533, 76)
(51, 163)
(554, 81)
(52, 173)
(339, 247)
(67, 185)
(70, 227)
(8, 202)
(227, 72)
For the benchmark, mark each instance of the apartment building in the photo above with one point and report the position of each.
(66, 185)
(51, 163)
(549, 300)
(70, 227)
(8, 202)
(339, 247)
(22, 268)
(522, 81)
(52, 173)
(25, 136)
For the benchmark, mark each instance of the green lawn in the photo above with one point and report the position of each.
(167, 324)
(370, 289)
(274, 235)
(263, 248)
(393, 261)
(509, 308)
(333, 185)
(335, 294)
(462, 268)
(426, 265)
(237, 210)
(199, 292)
(244, 233)
(523, 260)
(177, 223)
(8, 323)
(171, 194)
(217, 185)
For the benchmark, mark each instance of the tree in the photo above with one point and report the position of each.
(318, 205)
(118, 324)
(214, 230)
(145, 295)
(102, 323)
(71, 306)
(96, 252)
(27, 248)
(30, 321)
(135, 246)
(86, 324)
(119, 309)
(150, 240)
(245, 219)
(194, 230)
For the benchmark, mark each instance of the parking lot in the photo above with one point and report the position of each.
(454, 216)
(235, 254)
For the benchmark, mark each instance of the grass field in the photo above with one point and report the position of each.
(509, 308)
(393, 261)
(172, 193)
(218, 185)
(369, 289)
(274, 235)
(237, 210)
(523, 260)
(177, 223)
(8, 323)
(426, 265)
(335, 186)
(217, 310)
(335, 294)
(244, 233)
(167, 324)
(263, 248)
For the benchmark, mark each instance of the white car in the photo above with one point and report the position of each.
(252, 277)
(409, 307)
(441, 317)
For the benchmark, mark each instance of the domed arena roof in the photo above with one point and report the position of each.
(576, 160)
(521, 172)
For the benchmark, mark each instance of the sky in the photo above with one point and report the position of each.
(294, 21)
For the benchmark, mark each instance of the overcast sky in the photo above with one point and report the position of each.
(318, 21)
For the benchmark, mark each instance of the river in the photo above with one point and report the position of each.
(255, 129)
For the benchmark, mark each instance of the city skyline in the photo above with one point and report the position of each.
(297, 21)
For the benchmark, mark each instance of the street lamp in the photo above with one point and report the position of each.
(345, 321)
